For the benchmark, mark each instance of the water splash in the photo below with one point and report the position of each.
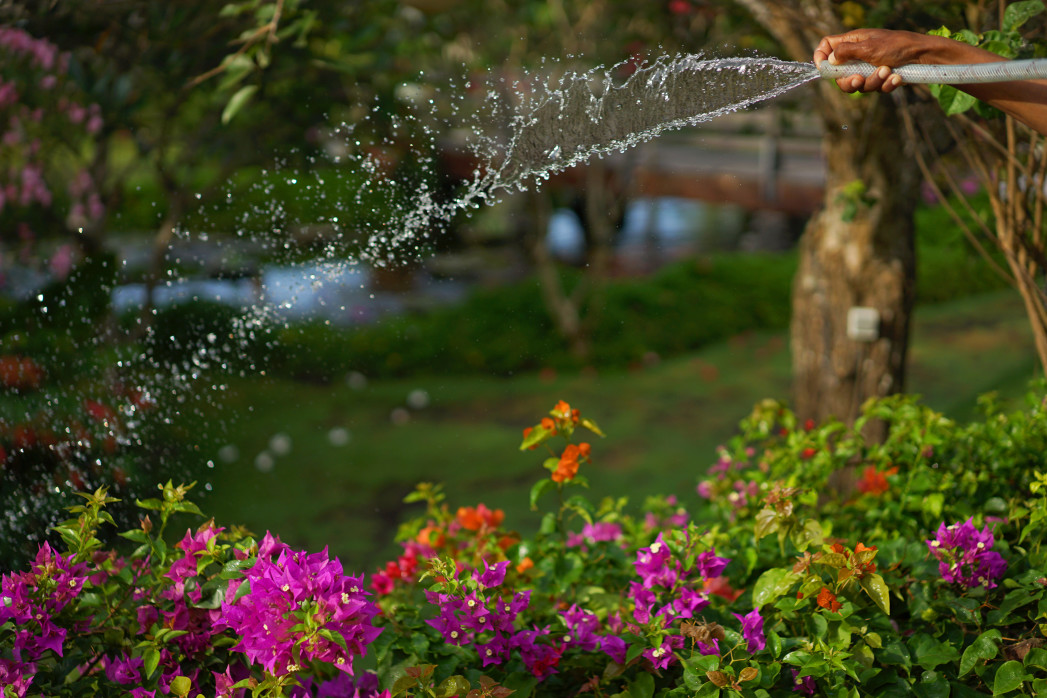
(537, 127)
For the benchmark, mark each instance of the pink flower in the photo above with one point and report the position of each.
(752, 630)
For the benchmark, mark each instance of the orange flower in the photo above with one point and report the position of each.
(431, 536)
(473, 519)
(827, 599)
(721, 587)
(549, 425)
(567, 468)
(873, 481)
(525, 564)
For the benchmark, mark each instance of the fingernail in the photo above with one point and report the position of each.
(896, 80)
(832, 58)
(883, 72)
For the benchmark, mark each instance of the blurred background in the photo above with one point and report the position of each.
(195, 200)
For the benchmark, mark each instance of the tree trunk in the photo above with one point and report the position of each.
(859, 250)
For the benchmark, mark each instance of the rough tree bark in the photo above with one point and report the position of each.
(857, 251)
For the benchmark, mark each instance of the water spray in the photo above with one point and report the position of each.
(957, 74)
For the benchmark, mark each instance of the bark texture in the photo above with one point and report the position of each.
(858, 251)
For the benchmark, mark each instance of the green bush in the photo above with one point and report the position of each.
(818, 563)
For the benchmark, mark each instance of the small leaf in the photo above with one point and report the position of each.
(642, 686)
(591, 426)
(150, 660)
(748, 674)
(1018, 13)
(718, 677)
(453, 686)
(181, 685)
(932, 504)
(772, 584)
(1009, 677)
(983, 648)
(876, 588)
(539, 489)
(536, 436)
(930, 653)
(952, 101)
(767, 522)
(237, 101)
(402, 684)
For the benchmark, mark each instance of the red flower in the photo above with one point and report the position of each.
(808, 453)
(827, 599)
(473, 519)
(567, 468)
(873, 481)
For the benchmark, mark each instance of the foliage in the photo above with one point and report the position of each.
(214, 613)
(821, 564)
(855, 569)
(502, 331)
(1002, 154)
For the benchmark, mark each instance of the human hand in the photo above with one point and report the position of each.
(880, 47)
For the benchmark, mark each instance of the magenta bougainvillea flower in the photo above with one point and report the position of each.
(804, 685)
(965, 555)
(752, 630)
(296, 604)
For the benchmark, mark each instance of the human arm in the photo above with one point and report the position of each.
(1025, 100)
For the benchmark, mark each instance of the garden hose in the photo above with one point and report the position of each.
(958, 74)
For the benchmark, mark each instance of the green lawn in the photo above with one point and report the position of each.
(662, 424)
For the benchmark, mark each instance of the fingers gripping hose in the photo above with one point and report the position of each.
(960, 74)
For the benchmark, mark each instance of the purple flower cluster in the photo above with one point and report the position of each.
(486, 619)
(591, 534)
(42, 53)
(752, 630)
(805, 685)
(668, 592)
(965, 555)
(299, 605)
(736, 492)
(31, 600)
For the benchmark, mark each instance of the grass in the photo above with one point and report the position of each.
(663, 423)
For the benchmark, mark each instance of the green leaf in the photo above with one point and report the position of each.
(181, 685)
(149, 503)
(808, 535)
(932, 685)
(930, 653)
(135, 534)
(1009, 677)
(150, 660)
(642, 686)
(1018, 13)
(237, 101)
(536, 436)
(539, 489)
(634, 651)
(876, 588)
(456, 685)
(1037, 657)
(772, 584)
(932, 504)
(951, 100)
(774, 643)
(694, 668)
(402, 684)
(767, 522)
(591, 426)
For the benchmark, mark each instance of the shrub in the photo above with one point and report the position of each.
(818, 564)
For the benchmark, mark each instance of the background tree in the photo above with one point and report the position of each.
(859, 250)
(1008, 159)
